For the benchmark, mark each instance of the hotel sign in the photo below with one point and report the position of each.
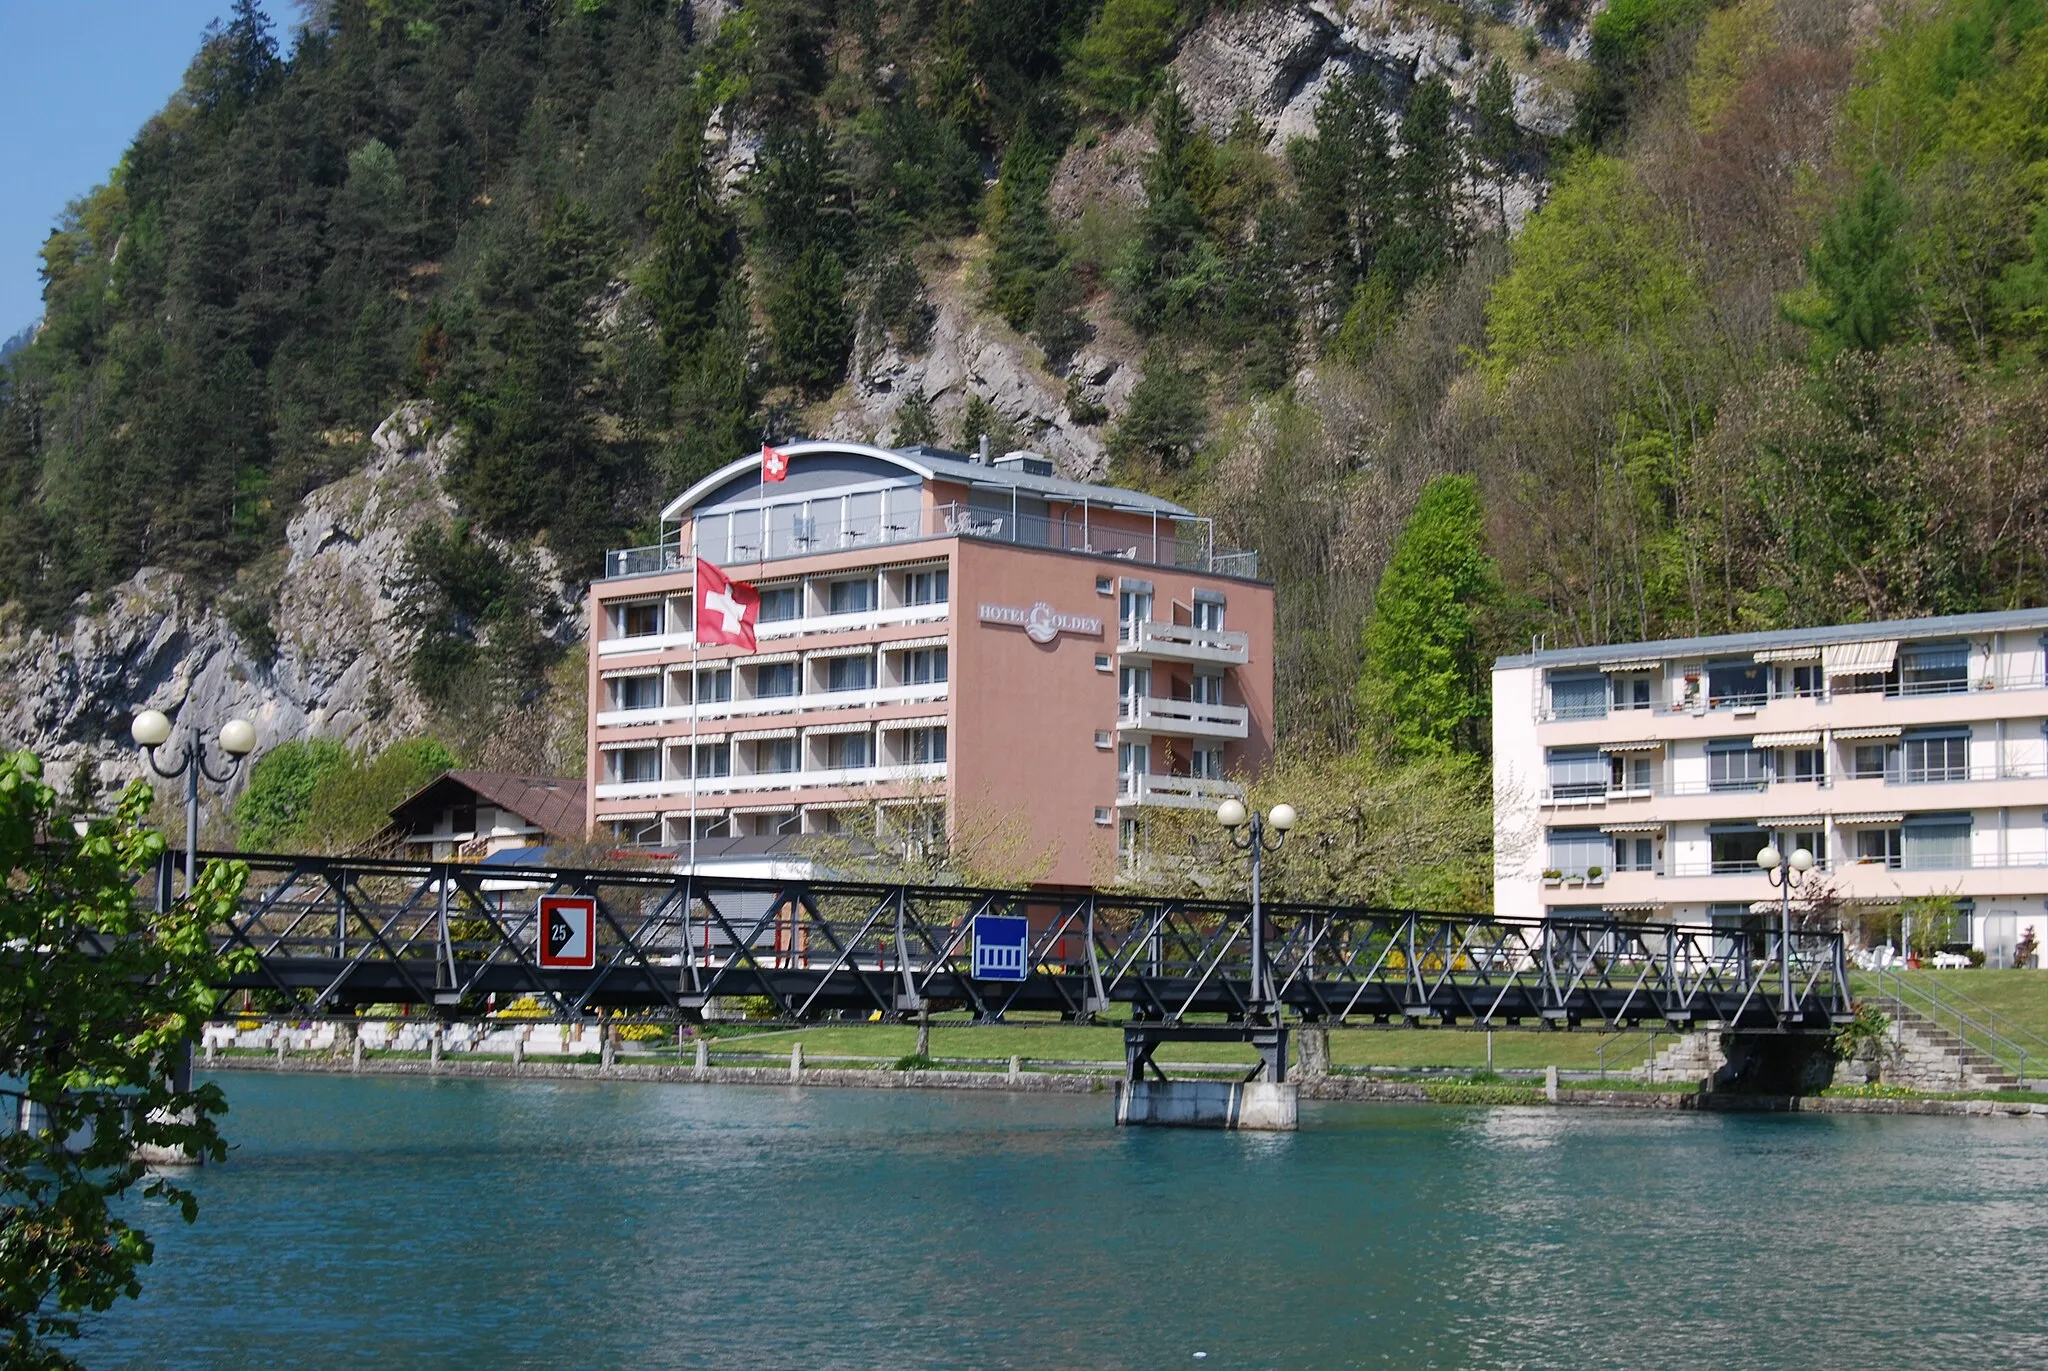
(1041, 623)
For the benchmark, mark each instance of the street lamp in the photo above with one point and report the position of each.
(152, 729)
(1785, 873)
(1281, 818)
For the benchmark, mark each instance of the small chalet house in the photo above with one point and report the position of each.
(472, 815)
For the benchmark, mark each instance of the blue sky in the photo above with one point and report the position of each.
(77, 78)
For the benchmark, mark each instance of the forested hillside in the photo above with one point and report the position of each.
(1768, 353)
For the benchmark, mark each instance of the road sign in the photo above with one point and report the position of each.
(1002, 947)
(568, 932)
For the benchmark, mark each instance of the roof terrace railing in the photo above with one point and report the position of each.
(1185, 543)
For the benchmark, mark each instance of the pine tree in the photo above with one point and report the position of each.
(1346, 179)
(915, 422)
(808, 318)
(1423, 683)
(1164, 423)
(1026, 246)
(1170, 269)
(1860, 270)
(1496, 137)
(692, 241)
(1428, 180)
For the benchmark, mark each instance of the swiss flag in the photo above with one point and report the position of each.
(774, 465)
(727, 610)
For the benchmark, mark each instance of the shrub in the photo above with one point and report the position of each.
(271, 814)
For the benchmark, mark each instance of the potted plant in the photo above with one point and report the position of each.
(1595, 874)
(1552, 876)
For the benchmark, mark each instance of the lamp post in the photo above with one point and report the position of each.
(151, 730)
(1281, 818)
(1785, 873)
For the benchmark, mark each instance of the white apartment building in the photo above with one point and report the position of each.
(1638, 782)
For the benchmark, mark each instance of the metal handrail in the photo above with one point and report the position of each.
(1649, 1040)
(1927, 1001)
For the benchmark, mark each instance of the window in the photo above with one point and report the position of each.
(637, 692)
(1577, 773)
(775, 755)
(852, 597)
(921, 745)
(1102, 662)
(1874, 761)
(1206, 689)
(1128, 843)
(775, 680)
(641, 619)
(925, 588)
(1628, 774)
(1132, 761)
(713, 759)
(1814, 840)
(1879, 845)
(1799, 682)
(1632, 692)
(1103, 815)
(924, 666)
(1133, 607)
(637, 832)
(631, 764)
(1102, 739)
(1635, 853)
(1207, 763)
(1733, 847)
(780, 604)
(1937, 842)
(850, 673)
(1734, 765)
(714, 687)
(1934, 668)
(1935, 755)
(1736, 685)
(850, 751)
(1133, 685)
(1576, 851)
(1103, 586)
(1578, 697)
(462, 818)
(1805, 764)
(1208, 614)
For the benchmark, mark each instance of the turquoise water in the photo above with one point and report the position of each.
(399, 1222)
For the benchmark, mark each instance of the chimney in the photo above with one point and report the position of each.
(983, 459)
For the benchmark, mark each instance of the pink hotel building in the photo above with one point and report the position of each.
(937, 634)
(1640, 781)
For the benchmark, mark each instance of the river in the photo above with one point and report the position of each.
(565, 1223)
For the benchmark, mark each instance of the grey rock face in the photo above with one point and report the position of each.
(158, 641)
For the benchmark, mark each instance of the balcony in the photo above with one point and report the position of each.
(754, 782)
(1182, 718)
(1182, 643)
(1184, 543)
(1174, 792)
(853, 621)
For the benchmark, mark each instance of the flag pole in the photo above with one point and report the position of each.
(694, 684)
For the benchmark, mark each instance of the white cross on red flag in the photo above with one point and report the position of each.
(727, 610)
(774, 465)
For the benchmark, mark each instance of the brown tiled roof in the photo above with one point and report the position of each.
(553, 804)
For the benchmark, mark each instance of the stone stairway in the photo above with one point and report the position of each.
(1927, 1056)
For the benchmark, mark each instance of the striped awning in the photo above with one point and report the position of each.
(638, 816)
(617, 672)
(763, 809)
(1793, 821)
(903, 644)
(764, 659)
(1806, 737)
(1859, 659)
(1644, 745)
(1629, 663)
(624, 744)
(820, 730)
(922, 721)
(1788, 654)
(858, 650)
(1635, 907)
(1633, 828)
(1868, 820)
(1857, 734)
(757, 735)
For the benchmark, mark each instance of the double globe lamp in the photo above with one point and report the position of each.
(1280, 819)
(152, 729)
(1785, 873)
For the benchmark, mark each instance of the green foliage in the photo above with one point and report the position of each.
(1859, 271)
(1629, 38)
(915, 422)
(1166, 418)
(352, 803)
(808, 319)
(86, 1037)
(1026, 248)
(1424, 681)
(692, 241)
(1171, 270)
(1869, 1030)
(1119, 63)
(271, 813)
(476, 611)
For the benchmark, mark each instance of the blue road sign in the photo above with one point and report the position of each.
(1002, 947)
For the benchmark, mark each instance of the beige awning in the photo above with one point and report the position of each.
(1808, 737)
(903, 644)
(921, 721)
(1859, 659)
(820, 730)
(630, 671)
(1867, 820)
(762, 659)
(756, 735)
(1639, 907)
(1793, 821)
(623, 745)
(1629, 663)
(1644, 745)
(860, 650)
(763, 809)
(1632, 828)
(1788, 654)
(636, 817)
(1860, 734)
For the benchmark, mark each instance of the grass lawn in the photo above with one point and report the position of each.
(2020, 996)
(1398, 1047)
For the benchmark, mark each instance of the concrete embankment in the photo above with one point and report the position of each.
(1045, 1082)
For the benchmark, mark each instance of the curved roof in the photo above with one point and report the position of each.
(930, 464)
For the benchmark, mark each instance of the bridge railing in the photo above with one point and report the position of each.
(352, 931)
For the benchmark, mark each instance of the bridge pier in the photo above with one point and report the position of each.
(1268, 1105)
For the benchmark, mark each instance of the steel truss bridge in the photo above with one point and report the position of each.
(345, 932)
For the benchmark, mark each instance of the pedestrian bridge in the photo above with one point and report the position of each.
(345, 932)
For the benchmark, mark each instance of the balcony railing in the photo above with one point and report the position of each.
(833, 777)
(1173, 792)
(1182, 642)
(1186, 718)
(1184, 543)
(1842, 686)
(711, 711)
